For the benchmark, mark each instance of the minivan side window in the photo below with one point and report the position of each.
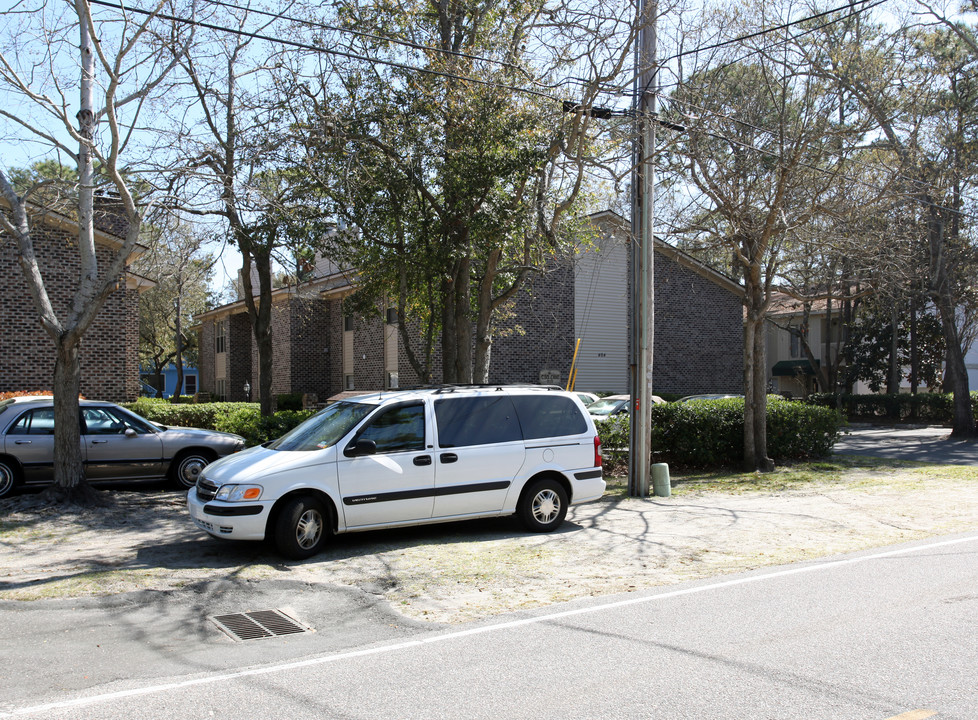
(399, 429)
(476, 421)
(543, 416)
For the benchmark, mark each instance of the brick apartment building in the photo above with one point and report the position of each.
(109, 350)
(320, 351)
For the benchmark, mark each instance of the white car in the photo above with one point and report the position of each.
(407, 458)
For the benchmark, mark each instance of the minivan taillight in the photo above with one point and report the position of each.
(597, 451)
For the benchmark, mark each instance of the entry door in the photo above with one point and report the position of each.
(395, 484)
(31, 440)
(118, 447)
(480, 451)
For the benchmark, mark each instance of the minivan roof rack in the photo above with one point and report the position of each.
(447, 388)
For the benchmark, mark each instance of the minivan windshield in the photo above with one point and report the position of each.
(323, 429)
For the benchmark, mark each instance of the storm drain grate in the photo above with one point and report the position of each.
(258, 624)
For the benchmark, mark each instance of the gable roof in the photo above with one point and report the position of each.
(610, 217)
(60, 221)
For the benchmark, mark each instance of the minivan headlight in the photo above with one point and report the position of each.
(238, 493)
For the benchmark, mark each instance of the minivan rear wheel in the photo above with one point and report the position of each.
(543, 506)
(302, 527)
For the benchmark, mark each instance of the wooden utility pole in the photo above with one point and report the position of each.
(643, 286)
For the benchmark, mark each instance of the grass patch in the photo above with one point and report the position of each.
(84, 584)
(853, 471)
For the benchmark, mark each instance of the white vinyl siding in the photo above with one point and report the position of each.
(601, 316)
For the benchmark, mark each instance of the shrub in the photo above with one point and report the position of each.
(711, 433)
(922, 407)
(247, 421)
(289, 401)
(203, 415)
(242, 419)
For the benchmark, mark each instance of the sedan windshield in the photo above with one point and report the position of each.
(604, 407)
(323, 429)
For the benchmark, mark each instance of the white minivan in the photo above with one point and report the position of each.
(407, 458)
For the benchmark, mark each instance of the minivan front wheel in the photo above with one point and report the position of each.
(302, 527)
(543, 506)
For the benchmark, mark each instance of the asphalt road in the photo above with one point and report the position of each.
(876, 635)
(921, 443)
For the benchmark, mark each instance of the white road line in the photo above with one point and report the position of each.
(536, 620)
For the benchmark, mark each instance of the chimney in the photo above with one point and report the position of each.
(109, 215)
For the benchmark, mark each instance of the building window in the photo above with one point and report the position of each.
(190, 384)
(348, 382)
(221, 336)
(392, 316)
(222, 389)
(348, 323)
(797, 334)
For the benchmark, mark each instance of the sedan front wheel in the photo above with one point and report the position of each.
(187, 468)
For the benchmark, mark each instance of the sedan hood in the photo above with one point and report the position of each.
(258, 462)
(171, 431)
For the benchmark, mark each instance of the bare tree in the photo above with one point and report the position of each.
(227, 132)
(115, 83)
(181, 271)
(759, 153)
(916, 87)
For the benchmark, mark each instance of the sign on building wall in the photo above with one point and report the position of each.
(550, 377)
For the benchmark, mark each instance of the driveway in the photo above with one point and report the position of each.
(125, 592)
(923, 443)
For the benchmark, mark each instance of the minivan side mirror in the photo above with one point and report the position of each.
(361, 447)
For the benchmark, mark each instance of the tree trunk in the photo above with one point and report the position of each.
(893, 376)
(69, 469)
(463, 322)
(178, 360)
(940, 291)
(755, 382)
(449, 348)
(483, 326)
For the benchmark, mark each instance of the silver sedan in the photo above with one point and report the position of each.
(116, 444)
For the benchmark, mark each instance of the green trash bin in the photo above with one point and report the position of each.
(661, 486)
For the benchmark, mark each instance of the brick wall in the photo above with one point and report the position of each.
(540, 335)
(312, 347)
(699, 333)
(698, 339)
(205, 357)
(368, 353)
(109, 361)
(242, 358)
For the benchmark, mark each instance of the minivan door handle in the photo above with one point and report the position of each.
(422, 460)
(449, 458)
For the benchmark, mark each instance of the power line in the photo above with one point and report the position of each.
(784, 26)
(490, 83)
(758, 128)
(319, 49)
(854, 12)
(370, 36)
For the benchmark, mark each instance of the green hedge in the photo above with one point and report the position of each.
(711, 433)
(922, 407)
(240, 418)
(248, 422)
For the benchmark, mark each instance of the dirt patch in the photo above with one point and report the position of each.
(462, 571)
